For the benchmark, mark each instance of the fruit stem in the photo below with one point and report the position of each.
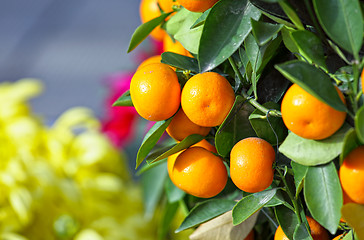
(291, 196)
(272, 112)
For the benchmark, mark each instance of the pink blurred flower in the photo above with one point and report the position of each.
(119, 122)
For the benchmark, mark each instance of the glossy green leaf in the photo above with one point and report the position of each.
(151, 139)
(342, 21)
(205, 211)
(287, 219)
(299, 173)
(268, 51)
(277, 200)
(319, 86)
(179, 25)
(169, 150)
(201, 19)
(144, 30)
(263, 127)
(235, 127)
(145, 167)
(124, 100)
(173, 193)
(152, 186)
(359, 124)
(288, 41)
(309, 46)
(291, 13)
(219, 42)
(251, 204)
(264, 32)
(311, 152)
(168, 214)
(351, 142)
(301, 233)
(180, 61)
(253, 52)
(323, 195)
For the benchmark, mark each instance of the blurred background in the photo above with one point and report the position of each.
(70, 45)
(68, 157)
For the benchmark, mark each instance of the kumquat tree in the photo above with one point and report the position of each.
(262, 101)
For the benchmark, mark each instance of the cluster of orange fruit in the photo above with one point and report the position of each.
(205, 101)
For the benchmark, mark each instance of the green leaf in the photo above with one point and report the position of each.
(312, 152)
(145, 167)
(309, 46)
(342, 21)
(218, 42)
(173, 193)
(180, 61)
(205, 211)
(288, 41)
(301, 233)
(151, 139)
(144, 30)
(323, 195)
(291, 13)
(287, 219)
(299, 173)
(351, 142)
(359, 124)
(124, 100)
(268, 51)
(152, 186)
(277, 200)
(169, 150)
(169, 212)
(235, 127)
(263, 129)
(179, 25)
(253, 52)
(264, 32)
(251, 204)
(319, 86)
(201, 20)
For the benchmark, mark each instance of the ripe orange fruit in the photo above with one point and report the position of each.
(150, 60)
(155, 92)
(197, 5)
(250, 236)
(198, 172)
(167, 5)
(251, 162)
(308, 117)
(174, 46)
(207, 99)
(351, 175)
(181, 127)
(338, 237)
(203, 143)
(317, 231)
(149, 9)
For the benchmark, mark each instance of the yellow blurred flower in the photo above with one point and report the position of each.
(65, 181)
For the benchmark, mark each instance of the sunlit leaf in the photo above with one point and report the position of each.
(312, 152)
(323, 195)
(342, 21)
(144, 30)
(205, 211)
